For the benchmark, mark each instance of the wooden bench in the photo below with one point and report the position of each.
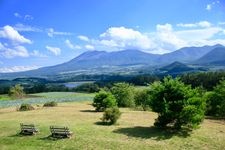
(28, 129)
(60, 132)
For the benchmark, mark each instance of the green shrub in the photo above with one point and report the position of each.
(216, 101)
(103, 100)
(124, 94)
(142, 99)
(50, 104)
(26, 107)
(111, 115)
(16, 91)
(176, 104)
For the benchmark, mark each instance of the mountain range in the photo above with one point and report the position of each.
(102, 62)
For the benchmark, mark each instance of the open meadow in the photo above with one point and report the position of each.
(134, 130)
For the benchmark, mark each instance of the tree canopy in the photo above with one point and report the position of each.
(176, 103)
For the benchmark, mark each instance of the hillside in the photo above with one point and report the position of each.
(214, 57)
(176, 67)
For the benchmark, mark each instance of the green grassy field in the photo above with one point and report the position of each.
(4, 97)
(41, 98)
(134, 130)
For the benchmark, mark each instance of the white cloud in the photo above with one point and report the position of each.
(36, 53)
(17, 15)
(211, 5)
(71, 46)
(51, 32)
(121, 37)
(10, 33)
(26, 28)
(89, 47)
(25, 17)
(198, 34)
(55, 50)
(28, 17)
(83, 38)
(203, 24)
(164, 39)
(208, 7)
(17, 69)
(17, 51)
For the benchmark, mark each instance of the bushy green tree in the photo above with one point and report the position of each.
(25, 107)
(16, 91)
(103, 100)
(111, 115)
(176, 103)
(124, 94)
(50, 104)
(141, 98)
(216, 101)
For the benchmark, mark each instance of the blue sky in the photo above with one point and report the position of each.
(42, 33)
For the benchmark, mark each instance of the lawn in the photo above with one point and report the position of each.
(4, 97)
(134, 130)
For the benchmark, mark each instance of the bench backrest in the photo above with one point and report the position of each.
(55, 129)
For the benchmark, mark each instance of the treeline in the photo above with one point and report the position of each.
(206, 80)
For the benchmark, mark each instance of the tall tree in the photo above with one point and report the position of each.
(176, 103)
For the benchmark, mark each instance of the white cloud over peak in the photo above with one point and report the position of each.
(51, 32)
(17, 69)
(165, 39)
(83, 38)
(121, 37)
(89, 47)
(8, 32)
(72, 46)
(55, 50)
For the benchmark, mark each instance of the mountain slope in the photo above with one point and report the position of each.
(126, 61)
(176, 67)
(186, 54)
(216, 57)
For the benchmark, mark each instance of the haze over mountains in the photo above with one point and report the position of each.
(101, 62)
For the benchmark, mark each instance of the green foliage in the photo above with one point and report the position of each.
(50, 104)
(207, 80)
(216, 101)
(111, 115)
(144, 79)
(87, 87)
(25, 107)
(103, 100)
(176, 103)
(141, 98)
(16, 91)
(124, 94)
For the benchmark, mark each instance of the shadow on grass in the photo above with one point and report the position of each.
(18, 135)
(50, 138)
(88, 111)
(102, 123)
(153, 132)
